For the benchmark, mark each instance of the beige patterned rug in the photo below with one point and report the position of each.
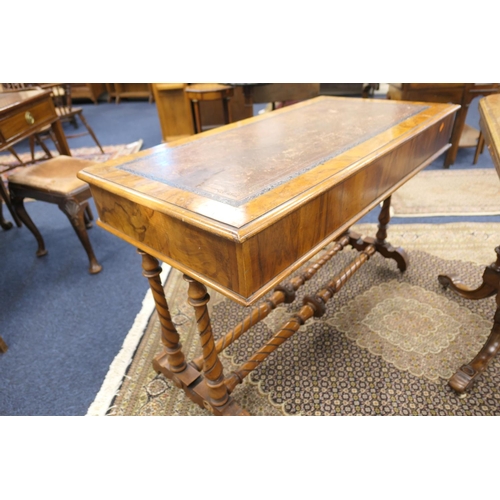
(386, 346)
(449, 192)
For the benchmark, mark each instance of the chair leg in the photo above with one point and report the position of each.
(3, 345)
(227, 111)
(4, 195)
(76, 214)
(91, 132)
(4, 224)
(32, 148)
(42, 144)
(197, 116)
(18, 203)
(13, 153)
(89, 217)
(479, 148)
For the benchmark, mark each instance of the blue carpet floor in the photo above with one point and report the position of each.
(64, 326)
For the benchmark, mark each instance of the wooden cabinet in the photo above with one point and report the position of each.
(90, 91)
(174, 111)
(119, 91)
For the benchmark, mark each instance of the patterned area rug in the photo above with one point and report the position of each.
(386, 346)
(449, 192)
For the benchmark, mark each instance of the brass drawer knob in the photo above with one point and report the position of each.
(29, 118)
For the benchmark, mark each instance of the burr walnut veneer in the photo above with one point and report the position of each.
(240, 207)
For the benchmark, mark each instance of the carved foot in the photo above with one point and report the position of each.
(383, 248)
(77, 214)
(397, 254)
(95, 267)
(467, 374)
(41, 252)
(463, 378)
(5, 224)
(455, 284)
(192, 382)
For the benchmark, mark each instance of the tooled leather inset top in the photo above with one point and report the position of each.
(243, 162)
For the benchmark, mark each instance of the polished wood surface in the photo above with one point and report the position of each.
(261, 187)
(464, 378)
(489, 112)
(174, 111)
(457, 93)
(240, 207)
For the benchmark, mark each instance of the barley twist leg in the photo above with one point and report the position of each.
(212, 367)
(169, 335)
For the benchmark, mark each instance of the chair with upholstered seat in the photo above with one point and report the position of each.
(55, 181)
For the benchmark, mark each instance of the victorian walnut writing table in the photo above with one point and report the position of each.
(489, 120)
(239, 208)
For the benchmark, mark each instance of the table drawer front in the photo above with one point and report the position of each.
(24, 124)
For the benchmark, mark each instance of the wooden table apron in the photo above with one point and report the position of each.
(239, 208)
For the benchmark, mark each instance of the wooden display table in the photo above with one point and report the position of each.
(489, 111)
(239, 208)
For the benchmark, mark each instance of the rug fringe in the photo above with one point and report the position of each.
(116, 372)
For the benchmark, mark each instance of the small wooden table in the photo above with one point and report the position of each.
(489, 112)
(239, 208)
(21, 115)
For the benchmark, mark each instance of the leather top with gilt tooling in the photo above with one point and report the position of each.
(238, 173)
(247, 161)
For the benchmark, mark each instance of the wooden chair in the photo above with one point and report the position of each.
(61, 94)
(197, 92)
(3, 345)
(479, 147)
(55, 181)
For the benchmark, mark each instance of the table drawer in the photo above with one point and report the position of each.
(18, 124)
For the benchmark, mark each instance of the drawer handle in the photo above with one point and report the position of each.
(29, 118)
